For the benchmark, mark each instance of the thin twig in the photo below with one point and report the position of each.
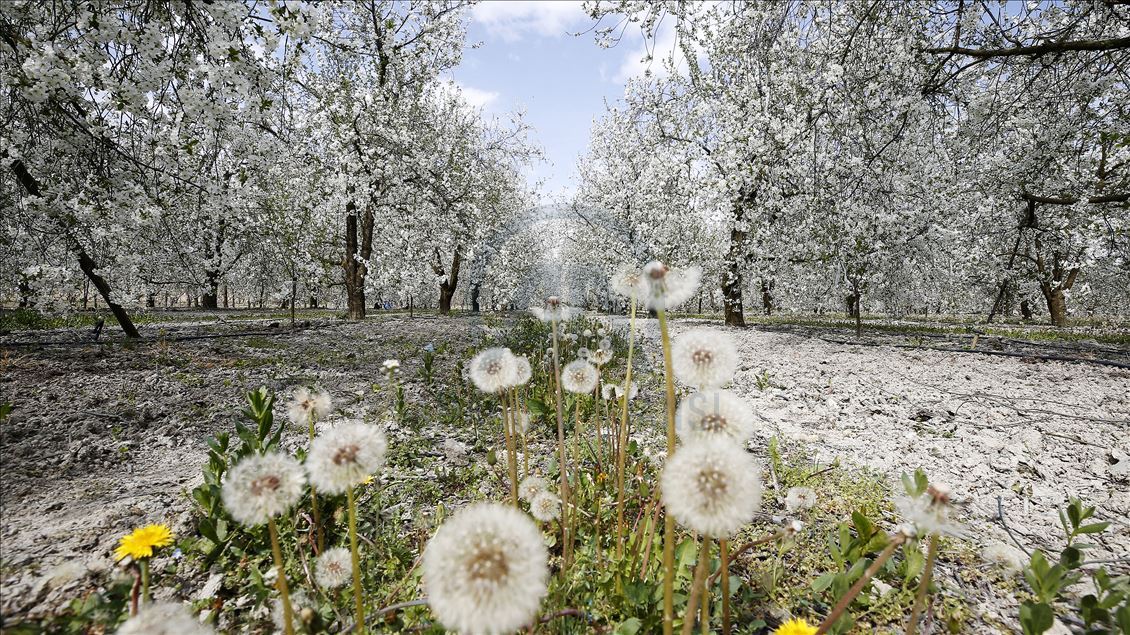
(1004, 523)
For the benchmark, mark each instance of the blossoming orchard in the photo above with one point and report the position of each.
(766, 317)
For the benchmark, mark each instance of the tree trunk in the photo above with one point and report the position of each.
(767, 296)
(85, 262)
(476, 289)
(450, 283)
(1057, 304)
(293, 297)
(354, 269)
(25, 295)
(1026, 309)
(732, 275)
(210, 299)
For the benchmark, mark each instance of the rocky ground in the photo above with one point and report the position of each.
(1021, 431)
(105, 437)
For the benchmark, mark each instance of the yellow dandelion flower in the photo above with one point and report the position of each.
(142, 541)
(796, 626)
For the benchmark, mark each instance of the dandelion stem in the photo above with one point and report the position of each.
(923, 586)
(284, 593)
(842, 605)
(319, 539)
(724, 567)
(744, 548)
(360, 606)
(135, 591)
(704, 610)
(511, 451)
(566, 544)
(144, 564)
(623, 434)
(697, 586)
(525, 455)
(668, 520)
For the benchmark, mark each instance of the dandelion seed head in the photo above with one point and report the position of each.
(545, 507)
(608, 392)
(334, 568)
(522, 370)
(306, 403)
(930, 513)
(391, 365)
(262, 486)
(606, 344)
(588, 333)
(553, 311)
(345, 456)
(494, 370)
(485, 571)
(583, 353)
(669, 288)
(629, 281)
(714, 414)
(600, 356)
(799, 499)
(704, 359)
(579, 376)
(531, 486)
(163, 618)
(712, 487)
(633, 390)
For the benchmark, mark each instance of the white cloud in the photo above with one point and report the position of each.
(477, 97)
(516, 19)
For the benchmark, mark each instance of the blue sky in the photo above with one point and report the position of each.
(529, 60)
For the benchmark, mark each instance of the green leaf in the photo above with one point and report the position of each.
(822, 582)
(630, 626)
(1093, 528)
(1035, 618)
(1122, 618)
